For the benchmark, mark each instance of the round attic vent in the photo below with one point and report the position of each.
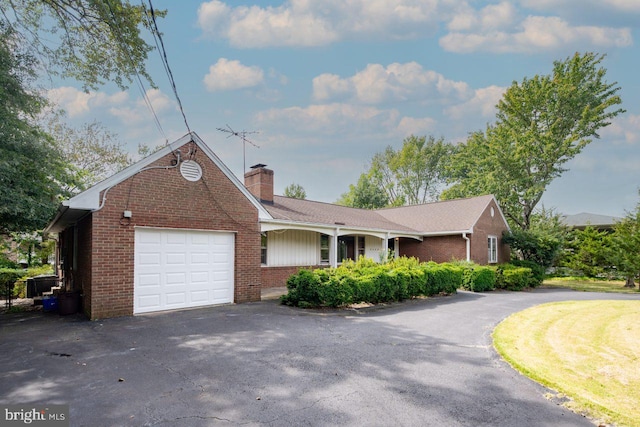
(190, 170)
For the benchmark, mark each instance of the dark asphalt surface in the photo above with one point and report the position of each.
(419, 363)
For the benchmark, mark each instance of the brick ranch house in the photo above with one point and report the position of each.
(179, 230)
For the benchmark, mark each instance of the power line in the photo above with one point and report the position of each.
(145, 97)
(158, 38)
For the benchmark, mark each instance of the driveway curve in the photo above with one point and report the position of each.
(418, 363)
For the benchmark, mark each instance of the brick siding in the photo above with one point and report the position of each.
(163, 198)
(448, 248)
(273, 277)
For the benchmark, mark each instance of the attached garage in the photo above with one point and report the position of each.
(176, 269)
(173, 231)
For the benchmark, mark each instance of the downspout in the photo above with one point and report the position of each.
(464, 236)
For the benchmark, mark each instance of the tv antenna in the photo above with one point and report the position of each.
(243, 136)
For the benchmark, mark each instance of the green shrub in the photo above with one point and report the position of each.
(367, 281)
(514, 278)
(8, 278)
(303, 289)
(537, 271)
(483, 279)
(442, 278)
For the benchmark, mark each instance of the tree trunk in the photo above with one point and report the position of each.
(630, 283)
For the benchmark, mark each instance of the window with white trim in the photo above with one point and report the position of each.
(324, 249)
(263, 248)
(492, 243)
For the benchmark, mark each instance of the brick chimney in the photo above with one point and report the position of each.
(259, 181)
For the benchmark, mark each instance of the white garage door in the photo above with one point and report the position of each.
(181, 268)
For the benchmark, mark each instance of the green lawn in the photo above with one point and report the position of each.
(586, 350)
(589, 285)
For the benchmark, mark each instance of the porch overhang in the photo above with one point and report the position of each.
(66, 217)
(335, 229)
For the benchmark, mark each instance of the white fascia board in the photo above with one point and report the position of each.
(90, 199)
(337, 229)
(446, 233)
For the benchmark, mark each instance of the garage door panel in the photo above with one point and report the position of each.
(176, 258)
(149, 259)
(200, 258)
(149, 301)
(176, 278)
(182, 268)
(149, 279)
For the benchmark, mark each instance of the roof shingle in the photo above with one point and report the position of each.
(439, 217)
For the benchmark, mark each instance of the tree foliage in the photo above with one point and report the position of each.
(295, 191)
(590, 252)
(31, 166)
(92, 41)
(542, 123)
(366, 194)
(543, 242)
(626, 246)
(411, 175)
(92, 152)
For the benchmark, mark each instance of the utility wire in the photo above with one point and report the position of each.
(163, 56)
(115, 28)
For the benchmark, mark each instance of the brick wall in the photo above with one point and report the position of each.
(259, 181)
(273, 277)
(163, 198)
(437, 248)
(486, 226)
(447, 248)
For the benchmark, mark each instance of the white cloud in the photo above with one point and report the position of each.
(577, 5)
(482, 104)
(416, 126)
(231, 74)
(490, 18)
(159, 101)
(535, 34)
(78, 103)
(315, 23)
(624, 129)
(397, 82)
(330, 119)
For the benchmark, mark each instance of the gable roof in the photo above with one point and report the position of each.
(457, 215)
(310, 212)
(583, 219)
(92, 199)
(439, 218)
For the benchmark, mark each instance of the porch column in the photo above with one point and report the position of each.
(385, 246)
(334, 249)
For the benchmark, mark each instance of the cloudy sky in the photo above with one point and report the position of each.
(327, 84)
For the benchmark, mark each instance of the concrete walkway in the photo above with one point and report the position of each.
(273, 293)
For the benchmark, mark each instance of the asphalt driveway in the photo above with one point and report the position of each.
(422, 362)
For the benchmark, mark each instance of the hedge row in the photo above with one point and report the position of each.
(399, 279)
(13, 280)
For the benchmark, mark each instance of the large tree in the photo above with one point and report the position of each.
(411, 175)
(626, 245)
(91, 41)
(366, 194)
(91, 151)
(31, 166)
(295, 191)
(542, 123)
